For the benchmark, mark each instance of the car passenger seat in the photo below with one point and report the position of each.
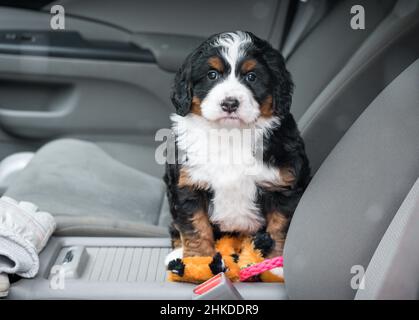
(91, 191)
(359, 217)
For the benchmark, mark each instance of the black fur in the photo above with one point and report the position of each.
(182, 90)
(280, 79)
(285, 148)
(235, 257)
(216, 264)
(177, 266)
(262, 241)
(183, 202)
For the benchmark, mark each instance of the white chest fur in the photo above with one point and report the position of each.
(230, 167)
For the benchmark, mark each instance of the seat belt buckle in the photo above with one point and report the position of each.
(218, 287)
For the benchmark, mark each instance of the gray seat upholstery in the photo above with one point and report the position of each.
(355, 194)
(91, 193)
(393, 270)
(324, 52)
(140, 157)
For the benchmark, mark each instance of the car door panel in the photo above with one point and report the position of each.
(82, 96)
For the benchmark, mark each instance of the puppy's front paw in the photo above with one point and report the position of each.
(262, 241)
(217, 264)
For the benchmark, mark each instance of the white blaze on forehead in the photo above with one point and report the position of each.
(233, 45)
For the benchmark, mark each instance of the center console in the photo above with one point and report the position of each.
(114, 268)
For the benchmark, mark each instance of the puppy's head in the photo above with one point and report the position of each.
(233, 79)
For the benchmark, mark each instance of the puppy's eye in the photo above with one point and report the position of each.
(212, 75)
(251, 76)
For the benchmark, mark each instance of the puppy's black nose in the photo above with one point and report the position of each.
(230, 104)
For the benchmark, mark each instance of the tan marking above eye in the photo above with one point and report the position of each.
(248, 65)
(216, 63)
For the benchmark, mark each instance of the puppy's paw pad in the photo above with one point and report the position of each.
(262, 241)
(217, 264)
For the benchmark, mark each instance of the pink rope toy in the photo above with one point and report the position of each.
(261, 267)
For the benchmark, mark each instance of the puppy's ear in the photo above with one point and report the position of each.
(284, 87)
(182, 88)
(282, 81)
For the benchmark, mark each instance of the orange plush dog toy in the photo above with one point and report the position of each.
(233, 255)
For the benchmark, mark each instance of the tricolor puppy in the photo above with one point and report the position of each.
(232, 87)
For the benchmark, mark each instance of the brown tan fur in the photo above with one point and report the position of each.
(185, 181)
(287, 176)
(248, 65)
(196, 106)
(176, 243)
(216, 63)
(286, 180)
(277, 226)
(266, 108)
(200, 242)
